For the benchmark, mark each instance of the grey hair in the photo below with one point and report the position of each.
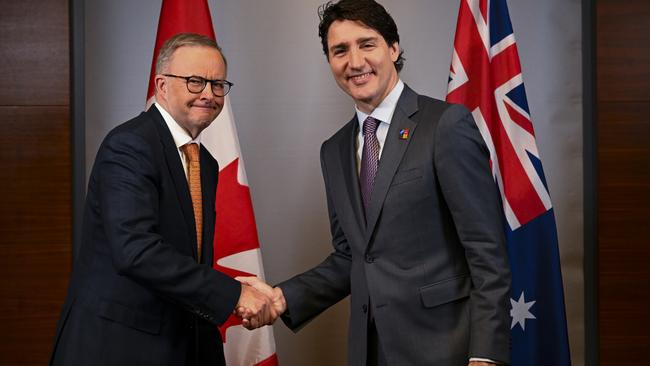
(184, 40)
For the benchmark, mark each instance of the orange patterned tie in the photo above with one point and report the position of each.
(191, 152)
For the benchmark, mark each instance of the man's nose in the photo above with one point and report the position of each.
(356, 60)
(207, 91)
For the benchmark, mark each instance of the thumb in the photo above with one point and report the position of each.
(247, 280)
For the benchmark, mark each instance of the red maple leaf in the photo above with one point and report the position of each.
(235, 229)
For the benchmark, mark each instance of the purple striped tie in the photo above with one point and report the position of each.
(369, 159)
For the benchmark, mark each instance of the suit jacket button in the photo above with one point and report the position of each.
(364, 308)
(369, 258)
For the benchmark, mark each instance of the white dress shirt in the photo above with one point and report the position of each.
(180, 136)
(383, 113)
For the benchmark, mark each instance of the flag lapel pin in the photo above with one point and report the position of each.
(404, 134)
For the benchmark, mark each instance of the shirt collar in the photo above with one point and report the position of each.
(180, 136)
(384, 111)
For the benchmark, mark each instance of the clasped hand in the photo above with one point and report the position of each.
(259, 303)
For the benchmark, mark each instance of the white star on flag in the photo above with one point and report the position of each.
(520, 311)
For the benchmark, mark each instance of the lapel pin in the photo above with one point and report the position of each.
(404, 134)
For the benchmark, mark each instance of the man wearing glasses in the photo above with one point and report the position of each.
(143, 291)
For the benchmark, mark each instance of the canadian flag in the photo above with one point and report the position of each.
(236, 246)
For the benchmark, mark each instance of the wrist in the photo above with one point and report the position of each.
(279, 302)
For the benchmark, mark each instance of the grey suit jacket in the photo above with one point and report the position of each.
(429, 256)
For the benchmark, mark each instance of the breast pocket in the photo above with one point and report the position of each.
(446, 291)
(405, 176)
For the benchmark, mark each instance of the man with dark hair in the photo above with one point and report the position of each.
(414, 212)
(373, 16)
(143, 291)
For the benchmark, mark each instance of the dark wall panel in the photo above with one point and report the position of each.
(35, 156)
(623, 51)
(35, 53)
(35, 230)
(623, 94)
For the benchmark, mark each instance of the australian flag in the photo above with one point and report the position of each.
(486, 78)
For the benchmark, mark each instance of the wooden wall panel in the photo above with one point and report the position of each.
(35, 229)
(35, 52)
(622, 49)
(35, 176)
(623, 94)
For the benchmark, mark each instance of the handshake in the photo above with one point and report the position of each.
(259, 304)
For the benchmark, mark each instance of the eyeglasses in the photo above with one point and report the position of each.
(196, 84)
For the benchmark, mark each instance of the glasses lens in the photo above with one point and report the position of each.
(195, 85)
(220, 88)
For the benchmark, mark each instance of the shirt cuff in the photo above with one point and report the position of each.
(478, 359)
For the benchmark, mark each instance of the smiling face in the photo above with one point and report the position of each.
(193, 112)
(362, 62)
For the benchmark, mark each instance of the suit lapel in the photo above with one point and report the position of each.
(175, 167)
(209, 176)
(391, 156)
(349, 164)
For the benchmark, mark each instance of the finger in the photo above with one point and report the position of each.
(255, 322)
(247, 324)
(247, 280)
(268, 315)
(241, 311)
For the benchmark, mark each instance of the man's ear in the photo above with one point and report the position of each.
(394, 51)
(160, 83)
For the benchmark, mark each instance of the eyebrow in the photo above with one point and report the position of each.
(366, 39)
(344, 45)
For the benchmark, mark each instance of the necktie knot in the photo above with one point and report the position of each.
(370, 125)
(191, 152)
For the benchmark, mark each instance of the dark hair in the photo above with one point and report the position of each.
(367, 12)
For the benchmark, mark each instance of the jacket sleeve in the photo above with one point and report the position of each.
(128, 194)
(463, 168)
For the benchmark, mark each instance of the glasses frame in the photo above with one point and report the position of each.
(227, 85)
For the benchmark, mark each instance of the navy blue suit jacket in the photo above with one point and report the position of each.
(137, 293)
